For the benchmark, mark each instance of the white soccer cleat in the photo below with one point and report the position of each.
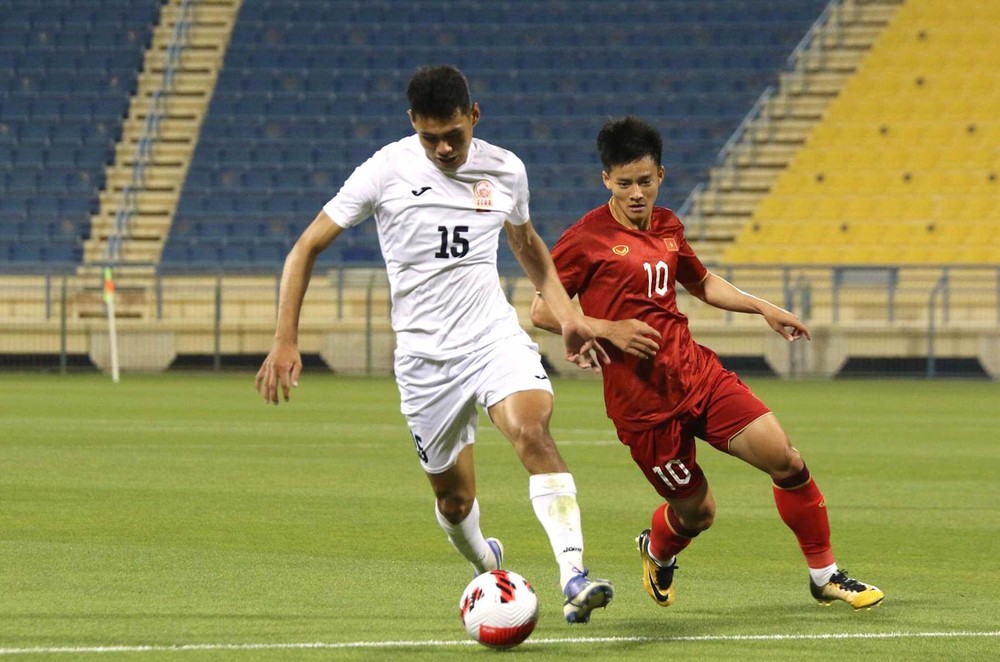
(495, 560)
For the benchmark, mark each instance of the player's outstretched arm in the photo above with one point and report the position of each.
(533, 255)
(283, 364)
(719, 292)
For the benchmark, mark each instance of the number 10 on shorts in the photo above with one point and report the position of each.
(673, 474)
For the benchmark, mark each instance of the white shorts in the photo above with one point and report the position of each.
(438, 398)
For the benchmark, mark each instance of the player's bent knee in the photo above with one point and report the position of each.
(532, 438)
(702, 520)
(693, 517)
(787, 463)
(529, 431)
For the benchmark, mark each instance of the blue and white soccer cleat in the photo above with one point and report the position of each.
(584, 595)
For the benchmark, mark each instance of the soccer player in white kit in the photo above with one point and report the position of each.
(439, 199)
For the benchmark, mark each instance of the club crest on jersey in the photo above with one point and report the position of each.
(620, 249)
(671, 244)
(483, 191)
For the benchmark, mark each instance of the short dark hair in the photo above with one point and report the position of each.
(438, 92)
(627, 139)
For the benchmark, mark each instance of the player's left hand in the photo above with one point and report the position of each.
(786, 324)
(582, 347)
(634, 337)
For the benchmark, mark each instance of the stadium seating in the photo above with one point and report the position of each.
(311, 88)
(68, 71)
(904, 167)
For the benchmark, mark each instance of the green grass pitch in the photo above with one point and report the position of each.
(180, 511)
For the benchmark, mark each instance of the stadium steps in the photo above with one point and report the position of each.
(186, 106)
(747, 171)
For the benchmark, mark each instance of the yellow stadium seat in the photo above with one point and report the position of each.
(859, 209)
(978, 208)
(958, 182)
(973, 254)
(897, 208)
(917, 253)
(904, 166)
(983, 233)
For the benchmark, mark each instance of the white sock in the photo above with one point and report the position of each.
(663, 564)
(468, 539)
(553, 497)
(821, 576)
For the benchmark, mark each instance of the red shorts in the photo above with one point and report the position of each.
(666, 453)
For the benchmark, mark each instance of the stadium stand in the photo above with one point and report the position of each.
(903, 168)
(309, 88)
(69, 69)
(299, 103)
(781, 120)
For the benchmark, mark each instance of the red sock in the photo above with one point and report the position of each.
(802, 508)
(668, 535)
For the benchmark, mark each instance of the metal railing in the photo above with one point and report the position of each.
(696, 223)
(939, 291)
(799, 287)
(49, 312)
(156, 110)
(808, 48)
(798, 299)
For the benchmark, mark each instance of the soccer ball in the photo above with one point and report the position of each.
(499, 609)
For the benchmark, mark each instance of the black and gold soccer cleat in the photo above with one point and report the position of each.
(658, 579)
(841, 587)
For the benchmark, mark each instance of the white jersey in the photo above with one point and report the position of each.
(439, 236)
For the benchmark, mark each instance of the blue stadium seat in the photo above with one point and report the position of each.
(70, 72)
(23, 250)
(21, 180)
(62, 251)
(269, 253)
(214, 230)
(203, 253)
(309, 109)
(236, 252)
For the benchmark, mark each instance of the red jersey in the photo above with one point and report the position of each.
(620, 273)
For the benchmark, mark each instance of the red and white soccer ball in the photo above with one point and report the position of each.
(499, 609)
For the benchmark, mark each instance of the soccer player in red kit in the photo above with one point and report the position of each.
(662, 389)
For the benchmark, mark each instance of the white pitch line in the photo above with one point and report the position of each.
(468, 642)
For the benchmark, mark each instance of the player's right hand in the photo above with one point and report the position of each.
(633, 337)
(281, 367)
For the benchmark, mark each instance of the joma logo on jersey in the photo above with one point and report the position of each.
(620, 249)
(483, 191)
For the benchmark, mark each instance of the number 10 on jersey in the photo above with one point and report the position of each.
(656, 278)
